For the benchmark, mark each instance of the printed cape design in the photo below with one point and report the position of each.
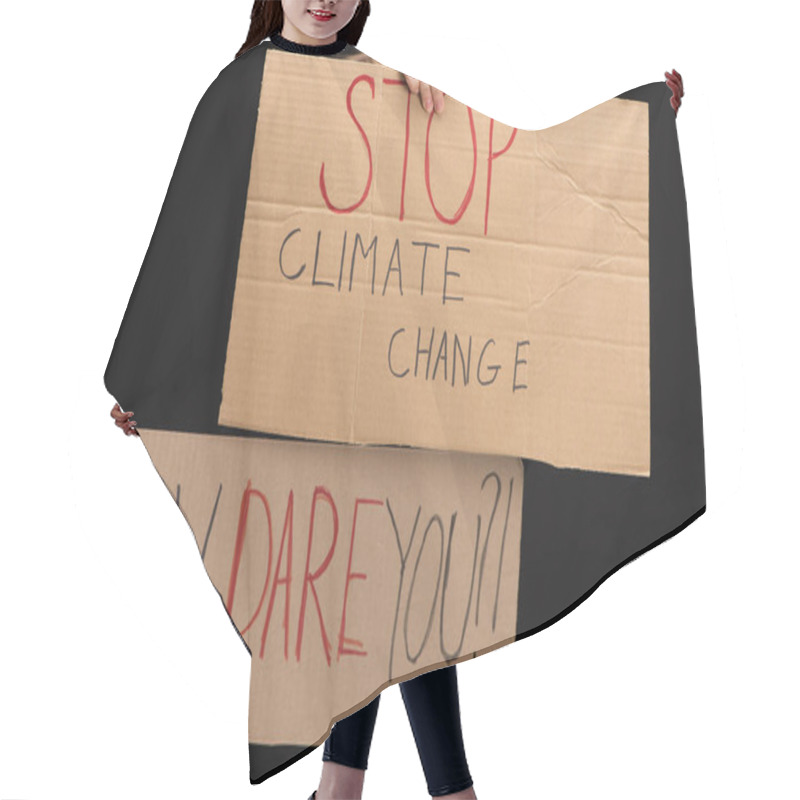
(418, 383)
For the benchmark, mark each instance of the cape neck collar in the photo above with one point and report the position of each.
(308, 49)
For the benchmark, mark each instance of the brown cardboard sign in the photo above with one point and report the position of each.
(443, 282)
(347, 568)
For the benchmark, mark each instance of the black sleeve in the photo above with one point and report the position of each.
(167, 361)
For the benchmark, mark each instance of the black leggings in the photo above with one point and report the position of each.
(432, 706)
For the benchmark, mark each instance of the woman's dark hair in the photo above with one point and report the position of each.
(266, 19)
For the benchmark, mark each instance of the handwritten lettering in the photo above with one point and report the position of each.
(422, 590)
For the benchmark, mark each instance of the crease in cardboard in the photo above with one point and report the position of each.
(607, 206)
(292, 210)
(363, 294)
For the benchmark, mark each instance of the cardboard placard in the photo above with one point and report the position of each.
(443, 282)
(346, 568)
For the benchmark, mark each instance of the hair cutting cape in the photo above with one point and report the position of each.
(419, 383)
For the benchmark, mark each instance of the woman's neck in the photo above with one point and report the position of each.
(332, 47)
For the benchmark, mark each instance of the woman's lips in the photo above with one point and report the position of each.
(321, 15)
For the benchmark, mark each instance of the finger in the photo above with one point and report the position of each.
(425, 96)
(413, 84)
(677, 90)
(678, 79)
(122, 415)
(117, 412)
(438, 100)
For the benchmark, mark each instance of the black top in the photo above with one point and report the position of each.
(309, 49)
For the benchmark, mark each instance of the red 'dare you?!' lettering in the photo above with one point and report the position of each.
(322, 495)
(309, 578)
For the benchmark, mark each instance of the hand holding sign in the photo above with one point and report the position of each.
(123, 419)
(675, 82)
(428, 96)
